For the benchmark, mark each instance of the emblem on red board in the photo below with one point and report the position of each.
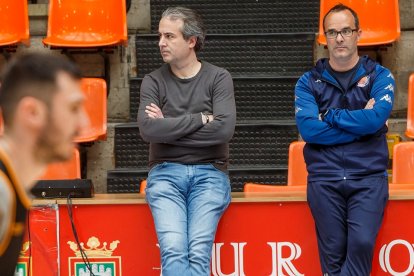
(101, 259)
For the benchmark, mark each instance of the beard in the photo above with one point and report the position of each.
(51, 146)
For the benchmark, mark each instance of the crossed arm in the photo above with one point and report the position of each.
(341, 125)
(368, 120)
(192, 130)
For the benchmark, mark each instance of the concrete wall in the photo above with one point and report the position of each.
(399, 58)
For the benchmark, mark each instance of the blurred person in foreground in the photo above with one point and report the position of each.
(42, 111)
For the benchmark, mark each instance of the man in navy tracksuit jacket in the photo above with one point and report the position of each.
(342, 106)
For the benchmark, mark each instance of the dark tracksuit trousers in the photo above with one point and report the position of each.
(348, 215)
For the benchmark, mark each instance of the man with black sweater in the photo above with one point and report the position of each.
(187, 112)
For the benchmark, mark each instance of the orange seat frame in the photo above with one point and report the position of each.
(410, 112)
(86, 23)
(403, 163)
(14, 22)
(95, 93)
(297, 173)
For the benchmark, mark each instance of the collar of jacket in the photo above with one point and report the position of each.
(366, 66)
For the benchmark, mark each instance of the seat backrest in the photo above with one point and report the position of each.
(14, 22)
(95, 93)
(86, 23)
(297, 173)
(379, 20)
(260, 188)
(403, 163)
(70, 169)
(410, 112)
(142, 186)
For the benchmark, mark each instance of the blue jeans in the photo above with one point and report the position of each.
(187, 202)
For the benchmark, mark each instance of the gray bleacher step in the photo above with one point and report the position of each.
(247, 16)
(257, 55)
(129, 180)
(257, 99)
(253, 145)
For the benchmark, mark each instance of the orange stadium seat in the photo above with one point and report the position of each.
(410, 112)
(14, 22)
(95, 106)
(403, 163)
(86, 23)
(297, 173)
(64, 170)
(142, 186)
(379, 20)
(263, 188)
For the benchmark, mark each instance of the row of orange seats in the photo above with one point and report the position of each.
(92, 23)
(71, 23)
(402, 172)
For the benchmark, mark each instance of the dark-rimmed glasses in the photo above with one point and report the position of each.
(347, 32)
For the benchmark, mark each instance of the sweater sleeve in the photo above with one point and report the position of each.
(367, 121)
(221, 129)
(163, 130)
(311, 128)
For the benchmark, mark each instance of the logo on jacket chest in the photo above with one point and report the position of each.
(363, 82)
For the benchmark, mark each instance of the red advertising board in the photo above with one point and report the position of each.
(267, 237)
(39, 254)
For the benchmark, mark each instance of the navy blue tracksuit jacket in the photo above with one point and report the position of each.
(344, 140)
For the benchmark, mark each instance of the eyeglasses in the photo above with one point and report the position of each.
(347, 32)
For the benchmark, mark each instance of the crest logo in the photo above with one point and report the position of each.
(24, 261)
(363, 82)
(101, 259)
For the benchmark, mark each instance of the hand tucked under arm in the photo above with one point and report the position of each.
(221, 123)
(370, 104)
(153, 126)
(153, 111)
(376, 112)
(309, 121)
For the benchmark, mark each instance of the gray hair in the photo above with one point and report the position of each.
(193, 24)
